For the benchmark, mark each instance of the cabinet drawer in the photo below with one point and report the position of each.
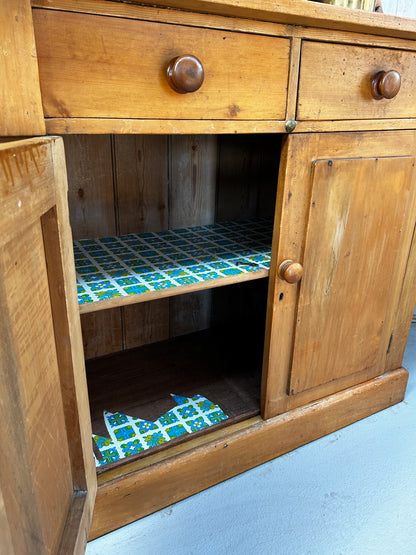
(97, 66)
(335, 82)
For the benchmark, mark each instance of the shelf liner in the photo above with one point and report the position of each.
(130, 435)
(137, 263)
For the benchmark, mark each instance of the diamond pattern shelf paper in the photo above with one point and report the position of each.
(129, 435)
(138, 263)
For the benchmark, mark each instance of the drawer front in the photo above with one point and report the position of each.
(335, 82)
(96, 66)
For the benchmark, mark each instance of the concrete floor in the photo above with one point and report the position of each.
(352, 492)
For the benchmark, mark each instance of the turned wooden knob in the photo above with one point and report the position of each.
(185, 74)
(290, 271)
(385, 84)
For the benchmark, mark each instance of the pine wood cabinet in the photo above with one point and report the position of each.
(251, 242)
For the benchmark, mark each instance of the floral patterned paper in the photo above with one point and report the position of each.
(138, 263)
(129, 435)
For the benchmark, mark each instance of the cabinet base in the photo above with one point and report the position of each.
(143, 491)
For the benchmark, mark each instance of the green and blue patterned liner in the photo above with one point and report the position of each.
(130, 435)
(139, 263)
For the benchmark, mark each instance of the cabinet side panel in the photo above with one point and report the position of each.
(404, 312)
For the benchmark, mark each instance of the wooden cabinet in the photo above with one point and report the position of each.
(219, 246)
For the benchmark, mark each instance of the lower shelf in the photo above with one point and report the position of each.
(143, 490)
(218, 365)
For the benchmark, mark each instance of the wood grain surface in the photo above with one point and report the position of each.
(85, 61)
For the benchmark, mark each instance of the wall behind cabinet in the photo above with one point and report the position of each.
(122, 184)
(402, 8)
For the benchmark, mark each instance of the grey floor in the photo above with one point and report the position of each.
(352, 492)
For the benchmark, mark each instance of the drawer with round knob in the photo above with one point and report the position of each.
(344, 82)
(94, 66)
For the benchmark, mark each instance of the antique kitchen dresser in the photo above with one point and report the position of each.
(235, 183)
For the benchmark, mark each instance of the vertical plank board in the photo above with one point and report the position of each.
(292, 91)
(102, 332)
(192, 191)
(92, 212)
(290, 216)
(141, 170)
(20, 100)
(145, 323)
(247, 176)
(90, 185)
(193, 172)
(247, 181)
(267, 173)
(141, 173)
(237, 188)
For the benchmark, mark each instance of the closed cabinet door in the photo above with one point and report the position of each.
(47, 473)
(344, 225)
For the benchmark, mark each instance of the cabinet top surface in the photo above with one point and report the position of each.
(298, 12)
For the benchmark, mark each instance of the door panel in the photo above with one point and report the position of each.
(47, 477)
(346, 211)
(352, 243)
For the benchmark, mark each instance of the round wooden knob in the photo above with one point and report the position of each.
(185, 74)
(385, 84)
(290, 271)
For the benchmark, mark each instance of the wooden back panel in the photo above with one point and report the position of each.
(142, 183)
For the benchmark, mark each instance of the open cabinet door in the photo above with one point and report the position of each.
(346, 213)
(47, 473)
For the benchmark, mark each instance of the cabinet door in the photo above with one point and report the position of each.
(47, 473)
(346, 212)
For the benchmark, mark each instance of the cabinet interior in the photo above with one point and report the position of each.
(208, 342)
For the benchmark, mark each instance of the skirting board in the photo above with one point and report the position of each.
(136, 494)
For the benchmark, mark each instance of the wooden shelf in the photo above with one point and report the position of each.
(115, 271)
(212, 363)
